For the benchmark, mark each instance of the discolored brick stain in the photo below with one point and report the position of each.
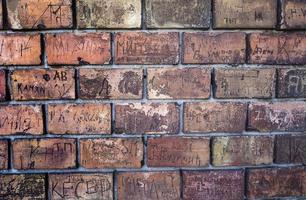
(276, 182)
(178, 14)
(149, 118)
(149, 185)
(179, 83)
(111, 153)
(22, 186)
(2, 85)
(293, 14)
(4, 157)
(213, 184)
(109, 13)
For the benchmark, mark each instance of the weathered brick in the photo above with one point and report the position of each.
(2, 85)
(146, 48)
(3, 155)
(78, 48)
(20, 49)
(178, 14)
(244, 82)
(111, 153)
(109, 13)
(178, 152)
(291, 83)
(214, 117)
(1, 15)
(245, 14)
(150, 118)
(293, 14)
(290, 149)
(79, 119)
(97, 186)
(283, 116)
(277, 48)
(48, 153)
(22, 186)
(179, 83)
(212, 185)
(42, 14)
(21, 119)
(242, 150)
(277, 182)
(42, 84)
(228, 48)
(149, 185)
(111, 83)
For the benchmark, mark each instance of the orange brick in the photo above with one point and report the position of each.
(2, 85)
(293, 14)
(3, 155)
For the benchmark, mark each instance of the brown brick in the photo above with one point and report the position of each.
(21, 119)
(79, 119)
(245, 14)
(111, 153)
(227, 48)
(2, 85)
(78, 48)
(20, 49)
(22, 186)
(293, 14)
(150, 118)
(42, 84)
(277, 182)
(274, 48)
(290, 149)
(245, 150)
(3, 155)
(48, 153)
(179, 83)
(213, 185)
(178, 152)
(42, 14)
(147, 48)
(149, 185)
(286, 116)
(214, 117)
(244, 82)
(178, 14)
(111, 83)
(109, 13)
(98, 186)
(291, 83)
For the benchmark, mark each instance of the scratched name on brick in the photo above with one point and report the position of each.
(292, 83)
(3, 154)
(293, 14)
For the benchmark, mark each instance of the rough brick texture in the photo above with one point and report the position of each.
(4, 154)
(293, 14)
(2, 85)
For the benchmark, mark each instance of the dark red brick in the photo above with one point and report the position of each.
(2, 85)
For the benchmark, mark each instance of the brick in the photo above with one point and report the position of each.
(178, 152)
(208, 48)
(149, 185)
(146, 48)
(212, 185)
(291, 83)
(206, 117)
(1, 15)
(150, 118)
(20, 49)
(275, 48)
(79, 119)
(2, 85)
(111, 83)
(277, 182)
(293, 14)
(178, 14)
(3, 156)
(43, 84)
(42, 14)
(78, 48)
(111, 153)
(242, 150)
(109, 13)
(179, 83)
(22, 186)
(47, 153)
(244, 82)
(290, 149)
(283, 116)
(97, 186)
(21, 119)
(245, 14)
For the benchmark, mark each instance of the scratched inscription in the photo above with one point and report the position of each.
(81, 186)
(293, 14)
(2, 85)
(3, 154)
(149, 185)
(291, 83)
